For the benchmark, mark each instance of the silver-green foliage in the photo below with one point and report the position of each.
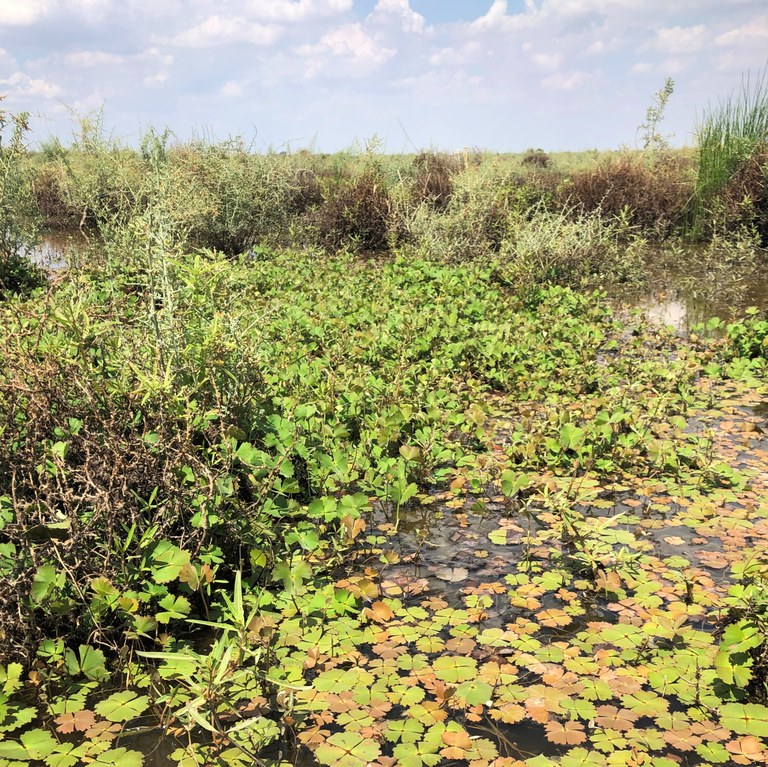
(19, 219)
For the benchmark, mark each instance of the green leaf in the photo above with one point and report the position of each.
(10, 678)
(745, 718)
(405, 730)
(90, 662)
(118, 757)
(475, 693)
(347, 749)
(46, 580)
(167, 562)
(173, 608)
(122, 706)
(33, 744)
(454, 668)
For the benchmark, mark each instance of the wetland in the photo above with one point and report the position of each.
(380, 461)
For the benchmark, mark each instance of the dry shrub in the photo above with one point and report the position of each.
(652, 197)
(355, 213)
(744, 199)
(433, 179)
(536, 158)
(308, 192)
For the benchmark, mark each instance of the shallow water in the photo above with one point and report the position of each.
(683, 307)
(51, 254)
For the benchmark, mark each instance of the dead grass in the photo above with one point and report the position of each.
(653, 197)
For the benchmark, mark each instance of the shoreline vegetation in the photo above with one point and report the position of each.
(346, 460)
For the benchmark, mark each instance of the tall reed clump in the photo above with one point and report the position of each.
(732, 137)
(19, 217)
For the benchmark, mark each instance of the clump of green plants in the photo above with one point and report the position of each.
(473, 223)
(732, 139)
(749, 336)
(566, 248)
(19, 216)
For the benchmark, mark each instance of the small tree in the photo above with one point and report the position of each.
(19, 216)
(653, 139)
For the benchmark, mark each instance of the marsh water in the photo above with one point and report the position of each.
(673, 299)
(450, 545)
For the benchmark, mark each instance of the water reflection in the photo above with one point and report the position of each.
(683, 309)
(51, 253)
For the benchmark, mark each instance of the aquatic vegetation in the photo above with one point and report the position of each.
(413, 519)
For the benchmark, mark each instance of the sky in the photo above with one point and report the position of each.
(501, 75)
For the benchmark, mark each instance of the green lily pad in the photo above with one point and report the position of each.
(347, 749)
(122, 706)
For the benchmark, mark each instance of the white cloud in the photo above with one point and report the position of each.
(232, 89)
(156, 79)
(497, 18)
(410, 21)
(21, 12)
(94, 58)
(565, 81)
(549, 61)
(677, 40)
(755, 29)
(641, 68)
(460, 55)
(287, 11)
(23, 85)
(220, 30)
(351, 43)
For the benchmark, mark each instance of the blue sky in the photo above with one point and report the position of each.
(556, 74)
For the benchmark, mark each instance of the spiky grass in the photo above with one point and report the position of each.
(728, 136)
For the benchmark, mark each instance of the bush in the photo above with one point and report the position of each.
(653, 197)
(566, 248)
(473, 223)
(536, 158)
(240, 199)
(432, 181)
(19, 216)
(355, 213)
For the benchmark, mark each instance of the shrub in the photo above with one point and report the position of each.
(566, 248)
(536, 158)
(653, 197)
(354, 213)
(432, 181)
(19, 216)
(240, 198)
(473, 223)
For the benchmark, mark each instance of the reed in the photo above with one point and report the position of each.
(729, 136)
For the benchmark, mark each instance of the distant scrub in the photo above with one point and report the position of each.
(451, 207)
(650, 195)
